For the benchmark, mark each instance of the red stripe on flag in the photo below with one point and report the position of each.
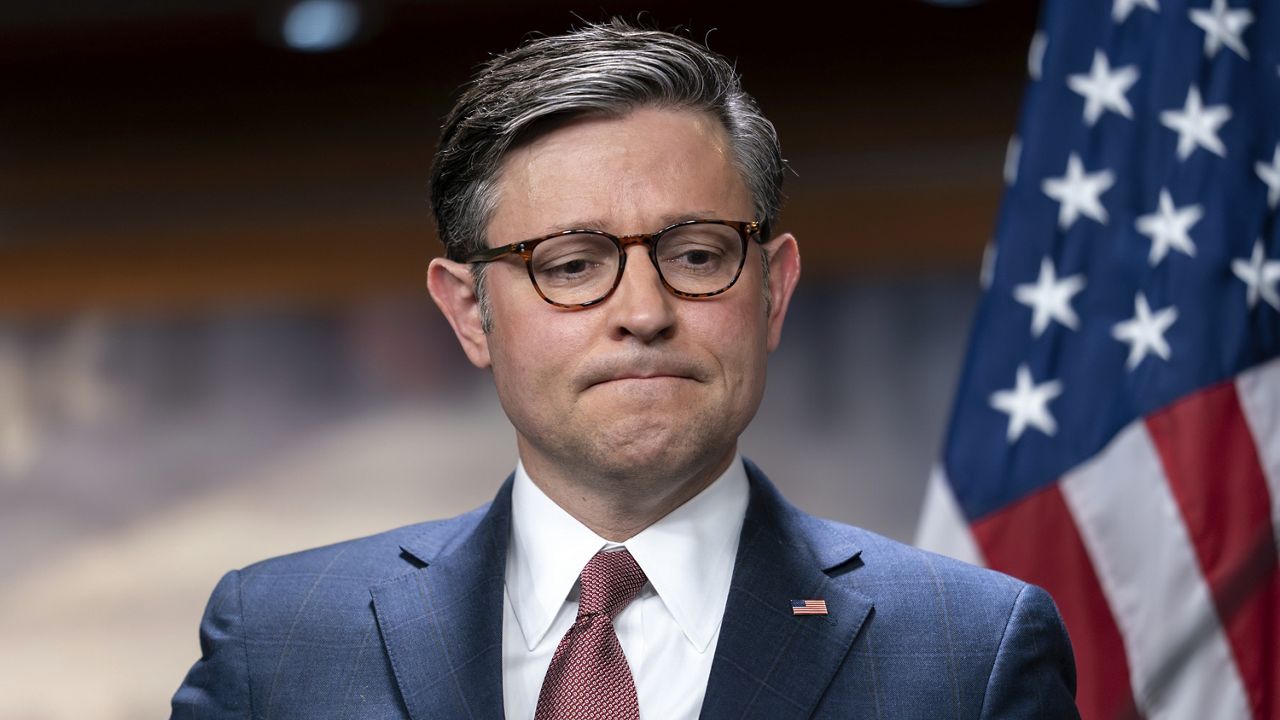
(1216, 477)
(1036, 539)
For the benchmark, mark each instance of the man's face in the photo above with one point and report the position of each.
(646, 383)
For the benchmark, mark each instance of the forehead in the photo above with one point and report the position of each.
(625, 174)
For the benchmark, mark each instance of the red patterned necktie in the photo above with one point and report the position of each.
(589, 678)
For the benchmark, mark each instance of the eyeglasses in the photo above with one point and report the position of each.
(580, 268)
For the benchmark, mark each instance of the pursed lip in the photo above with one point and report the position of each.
(609, 374)
(655, 376)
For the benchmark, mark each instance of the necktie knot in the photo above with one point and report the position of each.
(610, 581)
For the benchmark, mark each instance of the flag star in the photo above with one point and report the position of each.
(1270, 174)
(1012, 156)
(1027, 404)
(1079, 193)
(1223, 26)
(1145, 331)
(1121, 9)
(1260, 276)
(1168, 228)
(1197, 125)
(1050, 298)
(1104, 89)
(1035, 55)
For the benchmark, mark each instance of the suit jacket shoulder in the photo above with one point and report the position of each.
(297, 635)
(1000, 644)
(909, 633)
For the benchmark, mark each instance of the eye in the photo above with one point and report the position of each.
(692, 257)
(699, 249)
(698, 257)
(574, 259)
(568, 269)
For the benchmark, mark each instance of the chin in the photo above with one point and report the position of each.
(663, 452)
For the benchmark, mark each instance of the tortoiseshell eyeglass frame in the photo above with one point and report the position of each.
(746, 229)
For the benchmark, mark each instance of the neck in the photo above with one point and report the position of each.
(618, 507)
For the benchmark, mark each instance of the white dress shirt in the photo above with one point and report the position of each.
(668, 632)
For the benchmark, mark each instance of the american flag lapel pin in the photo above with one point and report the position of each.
(808, 607)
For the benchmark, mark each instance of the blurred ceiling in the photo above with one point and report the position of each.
(174, 154)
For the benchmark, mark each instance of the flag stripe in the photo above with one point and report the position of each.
(1212, 464)
(1062, 566)
(1258, 389)
(943, 527)
(1129, 523)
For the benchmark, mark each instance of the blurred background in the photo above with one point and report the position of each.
(215, 344)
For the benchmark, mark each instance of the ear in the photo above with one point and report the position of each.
(784, 273)
(451, 286)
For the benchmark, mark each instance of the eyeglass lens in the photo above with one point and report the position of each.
(582, 267)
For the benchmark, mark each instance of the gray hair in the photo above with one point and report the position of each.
(606, 70)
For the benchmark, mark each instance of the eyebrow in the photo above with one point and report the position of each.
(665, 221)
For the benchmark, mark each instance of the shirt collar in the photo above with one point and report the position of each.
(687, 555)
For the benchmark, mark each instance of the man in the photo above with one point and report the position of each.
(607, 201)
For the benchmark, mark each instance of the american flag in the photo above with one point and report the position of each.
(1116, 432)
(808, 607)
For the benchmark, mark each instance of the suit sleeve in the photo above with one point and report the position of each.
(217, 686)
(1034, 675)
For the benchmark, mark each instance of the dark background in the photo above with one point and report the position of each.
(175, 153)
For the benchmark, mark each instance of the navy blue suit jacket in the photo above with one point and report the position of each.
(408, 623)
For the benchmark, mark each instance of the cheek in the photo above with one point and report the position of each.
(533, 343)
(737, 337)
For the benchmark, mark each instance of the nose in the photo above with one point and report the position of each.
(640, 306)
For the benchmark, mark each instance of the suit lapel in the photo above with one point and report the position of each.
(768, 662)
(442, 624)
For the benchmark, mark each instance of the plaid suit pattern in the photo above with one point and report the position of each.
(408, 624)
